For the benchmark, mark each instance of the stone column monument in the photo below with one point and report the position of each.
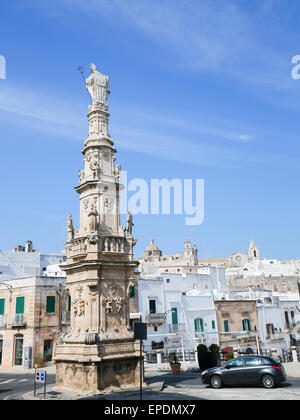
(98, 351)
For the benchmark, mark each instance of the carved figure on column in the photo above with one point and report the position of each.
(98, 87)
(93, 218)
(70, 228)
(117, 171)
(129, 224)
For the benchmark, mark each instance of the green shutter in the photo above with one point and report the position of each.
(226, 326)
(213, 325)
(69, 303)
(196, 325)
(244, 327)
(50, 304)
(132, 292)
(20, 305)
(174, 316)
(2, 305)
(201, 325)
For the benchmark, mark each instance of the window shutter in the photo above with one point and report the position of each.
(50, 304)
(20, 305)
(196, 325)
(2, 305)
(201, 325)
(132, 292)
(213, 325)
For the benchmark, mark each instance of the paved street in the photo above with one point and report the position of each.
(15, 383)
(187, 386)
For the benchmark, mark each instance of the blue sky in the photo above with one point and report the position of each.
(200, 89)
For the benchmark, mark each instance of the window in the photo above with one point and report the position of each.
(246, 325)
(2, 305)
(50, 308)
(213, 325)
(155, 329)
(174, 316)
(20, 305)
(253, 361)
(236, 363)
(226, 325)
(198, 325)
(132, 292)
(168, 280)
(152, 306)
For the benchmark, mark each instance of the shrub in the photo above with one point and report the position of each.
(173, 359)
(214, 348)
(201, 348)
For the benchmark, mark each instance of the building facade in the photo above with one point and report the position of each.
(34, 311)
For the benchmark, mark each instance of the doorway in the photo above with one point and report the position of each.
(19, 350)
(48, 350)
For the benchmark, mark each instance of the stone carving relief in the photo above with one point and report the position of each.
(112, 298)
(79, 304)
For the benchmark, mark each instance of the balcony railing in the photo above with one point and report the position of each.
(2, 321)
(18, 320)
(65, 317)
(176, 328)
(158, 318)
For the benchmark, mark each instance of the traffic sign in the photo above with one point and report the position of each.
(40, 376)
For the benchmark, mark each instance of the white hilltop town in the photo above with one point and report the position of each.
(77, 309)
(184, 300)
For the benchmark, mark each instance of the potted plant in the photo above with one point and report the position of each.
(202, 356)
(39, 362)
(214, 355)
(228, 353)
(174, 363)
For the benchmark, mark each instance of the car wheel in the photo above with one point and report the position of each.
(216, 382)
(268, 381)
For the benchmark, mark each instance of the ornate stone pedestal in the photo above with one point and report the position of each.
(98, 351)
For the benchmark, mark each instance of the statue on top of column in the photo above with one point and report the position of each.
(98, 87)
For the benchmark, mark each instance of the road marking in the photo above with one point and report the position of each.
(7, 382)
(23, 380)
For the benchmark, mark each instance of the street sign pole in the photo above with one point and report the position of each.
(140, 333)
(34, 388)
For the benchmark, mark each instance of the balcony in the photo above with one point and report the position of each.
(2, 321)
(18, 320)
(158, 318)
(66, 317)
(176, 328)
(276, 337)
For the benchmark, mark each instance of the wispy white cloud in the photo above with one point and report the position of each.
(197, 144)
(233, 37)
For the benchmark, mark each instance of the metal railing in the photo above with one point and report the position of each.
(152, 356)
(66, 317)
(175, 328)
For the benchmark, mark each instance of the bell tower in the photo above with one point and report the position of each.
(98, 351)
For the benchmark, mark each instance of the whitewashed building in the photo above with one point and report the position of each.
(278, 315)
(22, 262)
(179, 308)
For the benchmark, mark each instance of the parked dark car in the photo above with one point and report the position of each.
(246, 370)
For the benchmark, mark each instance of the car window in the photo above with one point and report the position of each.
(271, 361)
(253, 361)
(236, 363)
